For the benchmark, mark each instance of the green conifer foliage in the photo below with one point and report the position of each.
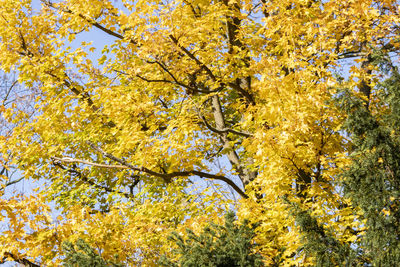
(321, 243)
(82, 255)
(228, 245)
(372, 181)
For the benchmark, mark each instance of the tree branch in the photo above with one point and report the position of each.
(4, 170)
(154, 80)
(75, 90)
(350, 54)
(8, 92)
(72, 160)
(192, 56)
(243, 92)
(83, 94)
(22, 261)
(168, 176)
(166, 70)
(85, 179)
(188, 87)
(223, 130)
(14, 182)
(88, 20)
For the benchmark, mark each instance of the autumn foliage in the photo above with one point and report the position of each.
(138, 119)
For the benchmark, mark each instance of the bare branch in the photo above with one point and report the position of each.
(9, 91)
(14, 182)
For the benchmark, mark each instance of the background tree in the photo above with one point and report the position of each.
(217, 245)
(372, 180)
(82, 255)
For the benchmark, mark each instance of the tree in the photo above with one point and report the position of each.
(321, 243)
(372, 180)
(83, 255)
(129, 135)
(217, 245)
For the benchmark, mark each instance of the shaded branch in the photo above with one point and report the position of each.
(233, 27)
(264, 8)
(66, 83)
(154, 80)
(189, 88)
(174, 80)
(365, 84)
(76, 91)
(243, 92)
(166, 70)
(25, 51)
(83, 94)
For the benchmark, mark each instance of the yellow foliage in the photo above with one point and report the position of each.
(150, 117)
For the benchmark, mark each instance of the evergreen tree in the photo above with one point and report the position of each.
(322, 244)
(229, 245)
(373, 180)
(82, 255)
